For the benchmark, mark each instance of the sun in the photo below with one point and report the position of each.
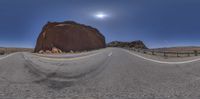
(101, 15)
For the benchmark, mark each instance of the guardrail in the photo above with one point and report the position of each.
(168, 53)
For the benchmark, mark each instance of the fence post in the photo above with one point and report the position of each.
(188, 54)
(144, 51)
(153, 52)
(6, 51)
(165, 54)
(195, 52)
(177, 54)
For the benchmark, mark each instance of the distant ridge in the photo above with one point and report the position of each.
(178, 48)
(8, 50)
(133, 44)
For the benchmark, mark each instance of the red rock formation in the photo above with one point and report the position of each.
(68, 36)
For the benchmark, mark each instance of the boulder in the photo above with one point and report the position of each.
(41, 52)
(71, 51)
(67, 36)
(48, 52)
(56, 50)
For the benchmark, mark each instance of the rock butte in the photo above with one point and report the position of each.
(68, 36)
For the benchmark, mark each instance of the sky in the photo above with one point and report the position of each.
(158, 23)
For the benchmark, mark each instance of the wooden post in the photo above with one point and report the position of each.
(188, 54)
(177, 54)
(153, 52)
(165, 54)
(144, 51)
(195, 52)
(6, 51)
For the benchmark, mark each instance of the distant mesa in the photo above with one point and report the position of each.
(68, 36)
(134, 44)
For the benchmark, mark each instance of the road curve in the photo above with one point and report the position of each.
(116, 74)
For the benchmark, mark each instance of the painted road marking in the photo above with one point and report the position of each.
(64, 59)
(7, 56)
(110, 54)
(163, 62)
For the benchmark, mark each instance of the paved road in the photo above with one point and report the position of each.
(110, 73)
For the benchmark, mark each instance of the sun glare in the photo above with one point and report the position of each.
(100, 15)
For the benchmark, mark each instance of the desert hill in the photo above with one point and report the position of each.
(134, 44)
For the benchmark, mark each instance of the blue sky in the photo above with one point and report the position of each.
(159, 23)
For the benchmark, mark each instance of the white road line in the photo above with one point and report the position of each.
(25, 57)
(1, 58)
(110, 54)
(163, 62)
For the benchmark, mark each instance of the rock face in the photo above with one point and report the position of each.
(135, 44)
(69, 36)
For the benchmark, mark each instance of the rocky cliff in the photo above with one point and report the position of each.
(68, 36)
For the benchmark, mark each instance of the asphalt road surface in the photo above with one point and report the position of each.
(110, 73)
